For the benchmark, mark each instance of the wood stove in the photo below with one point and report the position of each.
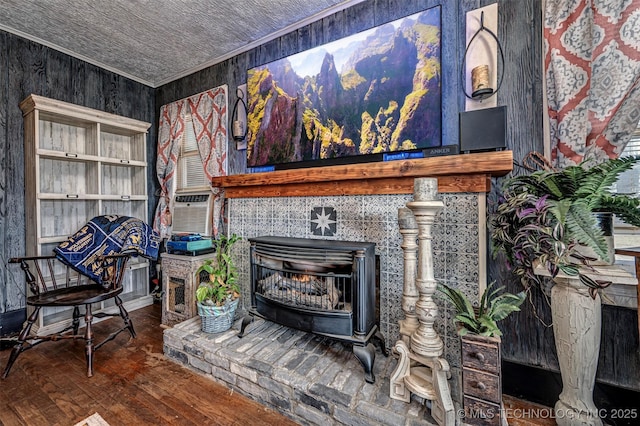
(319, 286)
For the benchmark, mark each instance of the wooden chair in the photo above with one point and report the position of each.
(55, 284)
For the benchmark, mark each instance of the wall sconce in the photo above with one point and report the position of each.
(239, 125)
(480, 75)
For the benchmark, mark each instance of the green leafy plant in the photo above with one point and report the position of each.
(546, 217)
(222, 286)
(494, 306)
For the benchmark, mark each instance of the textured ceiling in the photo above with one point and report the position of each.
(158, 41)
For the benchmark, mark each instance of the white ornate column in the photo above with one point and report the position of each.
(409, 231)
(425, 341)
(421, 369)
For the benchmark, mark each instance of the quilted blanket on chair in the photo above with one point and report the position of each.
(106, 235)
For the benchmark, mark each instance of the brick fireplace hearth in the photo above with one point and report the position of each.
(311, 379)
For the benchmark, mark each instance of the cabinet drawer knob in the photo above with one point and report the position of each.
(479, 356)
(481, 386)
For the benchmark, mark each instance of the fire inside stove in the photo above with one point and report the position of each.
(323, 291)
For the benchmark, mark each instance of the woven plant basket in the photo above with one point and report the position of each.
(216, 319)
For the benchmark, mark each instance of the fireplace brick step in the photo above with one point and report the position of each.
(309, 378)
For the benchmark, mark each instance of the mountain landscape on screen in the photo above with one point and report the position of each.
(374, 92)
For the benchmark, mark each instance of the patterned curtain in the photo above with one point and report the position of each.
(209, 117)
(170, 131)
(592, 66)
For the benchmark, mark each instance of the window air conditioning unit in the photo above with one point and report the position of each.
(193, 213)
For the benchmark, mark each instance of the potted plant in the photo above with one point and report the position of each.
(550, 216)
(218, 293)
(494, 306)
(543, 224)
(480, 345)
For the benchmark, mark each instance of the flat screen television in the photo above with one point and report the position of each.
(356, 99)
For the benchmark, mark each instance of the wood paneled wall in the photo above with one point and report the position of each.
(25, 68)
(519, 32)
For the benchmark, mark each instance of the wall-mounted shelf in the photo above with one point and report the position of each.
(455, 173)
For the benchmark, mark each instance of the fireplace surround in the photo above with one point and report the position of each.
(325, 287)
(284, 368)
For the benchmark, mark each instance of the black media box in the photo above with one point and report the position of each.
(483, 129)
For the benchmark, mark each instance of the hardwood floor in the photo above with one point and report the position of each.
(133, 385)
(524, 413)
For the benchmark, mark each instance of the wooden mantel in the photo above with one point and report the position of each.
(455, 173)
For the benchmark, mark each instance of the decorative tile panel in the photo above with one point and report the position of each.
(457, 232)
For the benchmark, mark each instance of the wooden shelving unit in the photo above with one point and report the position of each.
(81, 163)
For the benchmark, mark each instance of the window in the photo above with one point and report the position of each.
(629, 183)
(189, 170)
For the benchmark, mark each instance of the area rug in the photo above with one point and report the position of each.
(93, 420)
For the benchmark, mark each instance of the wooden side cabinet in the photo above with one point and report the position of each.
(481, 380)
(179, 282)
